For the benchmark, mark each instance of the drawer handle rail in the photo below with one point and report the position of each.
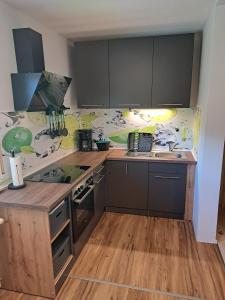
(61, 253)
(167, 177)
(99, 171)
(58, 214)
(58, 206)
(97, 182)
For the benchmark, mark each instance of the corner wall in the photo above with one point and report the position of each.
(212, 133)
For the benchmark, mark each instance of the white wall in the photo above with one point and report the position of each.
(56, 52)
(212, 106)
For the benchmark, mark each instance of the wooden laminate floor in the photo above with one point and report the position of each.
(135, 257)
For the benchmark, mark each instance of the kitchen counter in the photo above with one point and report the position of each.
(45, 196)
(120, 154)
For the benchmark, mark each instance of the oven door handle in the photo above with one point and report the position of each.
(83, 198)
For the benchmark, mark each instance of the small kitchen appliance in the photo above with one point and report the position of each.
(82, 205)
(84, 139)
(139, 142)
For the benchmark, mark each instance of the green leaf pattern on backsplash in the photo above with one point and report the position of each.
(25, 133)
(16, 138)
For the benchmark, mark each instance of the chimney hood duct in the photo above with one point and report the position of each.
(35, 89)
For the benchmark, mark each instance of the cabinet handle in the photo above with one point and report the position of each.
(100, 179)
(167, 177)
(99, 171)
(60, 254)
(170, 104)
(60, 204)
(131, 104)
(92, 105)
(126, 169)
(2, 221)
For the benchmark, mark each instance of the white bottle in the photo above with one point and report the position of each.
(16, 171)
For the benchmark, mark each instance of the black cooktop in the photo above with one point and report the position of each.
(58, 173)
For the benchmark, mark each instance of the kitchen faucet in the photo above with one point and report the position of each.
(172, 145)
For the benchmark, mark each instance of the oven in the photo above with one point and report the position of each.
(82, 206)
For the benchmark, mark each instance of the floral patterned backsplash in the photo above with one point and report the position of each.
(25, 133)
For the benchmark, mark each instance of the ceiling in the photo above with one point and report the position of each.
(82, 19)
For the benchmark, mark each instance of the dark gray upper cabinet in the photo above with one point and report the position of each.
(29, 50)
(172, 70)
(167, 189)
(130, 72)
(127, 184)
(91, 74)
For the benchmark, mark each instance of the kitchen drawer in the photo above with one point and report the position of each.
(60, 254)
(58, 216)
(171, 168)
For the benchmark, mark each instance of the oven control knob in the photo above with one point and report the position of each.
(76, 192)
(81, 187)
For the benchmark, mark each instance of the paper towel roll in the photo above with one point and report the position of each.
(16, 170)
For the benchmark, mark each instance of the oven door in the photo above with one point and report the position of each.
(83, 211)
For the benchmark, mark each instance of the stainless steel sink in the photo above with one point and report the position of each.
(156, 154)
(169, 155)
(140, 154)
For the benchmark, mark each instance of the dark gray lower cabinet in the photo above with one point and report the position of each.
(156, 189)
(167, 186)
(127, 186)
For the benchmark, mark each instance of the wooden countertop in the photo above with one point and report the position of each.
(45, 196)
(120, 154)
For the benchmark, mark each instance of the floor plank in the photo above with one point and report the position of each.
(127, 254)
(76, 289)
(158, 254)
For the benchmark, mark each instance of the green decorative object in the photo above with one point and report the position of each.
(16, 138)
(119, 139)
(184, 134)
(148, 129)
(87, 120)
(27, 149)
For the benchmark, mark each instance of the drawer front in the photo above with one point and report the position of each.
(61, 256)
(171, 168)
(58, 216)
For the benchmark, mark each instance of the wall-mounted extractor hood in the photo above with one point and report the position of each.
(35, 89)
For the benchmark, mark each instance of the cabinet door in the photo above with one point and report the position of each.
(99, 194)
(167, 194)
(91, 74)
(127, 184)
(130, 72)
(172, 70)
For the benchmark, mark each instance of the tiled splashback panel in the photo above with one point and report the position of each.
(25, 132)
(166, 125)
